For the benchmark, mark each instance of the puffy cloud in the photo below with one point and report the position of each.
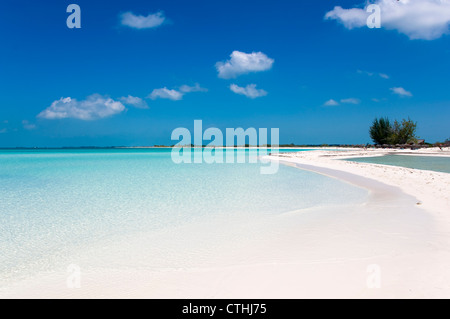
(243, 63)
(418, 19)
(94, 107)
(136, 102)
(142, 22)
(384, 76)
(175, 95)
(350, 18)
(249, 91)
(195, 88)
(28, 126)
(165, 93)
(331, 103)
(401, 91)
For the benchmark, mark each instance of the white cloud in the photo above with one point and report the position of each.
(142, 22)
(350, 101)
(384, 76)
(175, 95)
(249, 91)
(94, 107)
(195, 88)
(331, 103)
(28, 126)
(350, 18)
(418, 19)
(243, 63)
(136, 102)
(401, 91)
(165, 93)
(343, 101)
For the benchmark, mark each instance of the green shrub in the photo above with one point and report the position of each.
(383, 132)
(404, 133)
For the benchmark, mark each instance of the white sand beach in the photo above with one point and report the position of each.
(394, 245)
(432, 189)
(429, 191)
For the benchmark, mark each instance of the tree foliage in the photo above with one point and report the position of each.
(404, 132)
(383, 132)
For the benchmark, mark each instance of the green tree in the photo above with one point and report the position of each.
(404, 132)
(447, 142)
(381, 131)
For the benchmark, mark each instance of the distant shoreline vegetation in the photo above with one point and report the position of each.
(446, 143)
(426, 145)
(383, 132)
(183, 146)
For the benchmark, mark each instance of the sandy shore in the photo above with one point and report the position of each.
(432, 189)
(427, 190)
(394, 245)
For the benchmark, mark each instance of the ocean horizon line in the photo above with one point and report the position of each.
(175, 146)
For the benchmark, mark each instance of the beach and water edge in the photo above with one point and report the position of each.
(389, 241)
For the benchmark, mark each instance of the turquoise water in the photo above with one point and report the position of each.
(56, 202)
(431, 163)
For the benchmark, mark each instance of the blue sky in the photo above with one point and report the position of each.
(132, 81)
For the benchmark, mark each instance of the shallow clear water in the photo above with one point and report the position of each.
(55, 202)
(431, 163)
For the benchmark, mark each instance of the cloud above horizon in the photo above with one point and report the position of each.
(243, 63)
(173, 94)
(401, 92)
(28, 126)
(190, 89)
(331, 103)
(249, 91)
(351, 100)
(165, 93)
(417, 19)
(133, 101)
(94, 107)
(153, 20)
